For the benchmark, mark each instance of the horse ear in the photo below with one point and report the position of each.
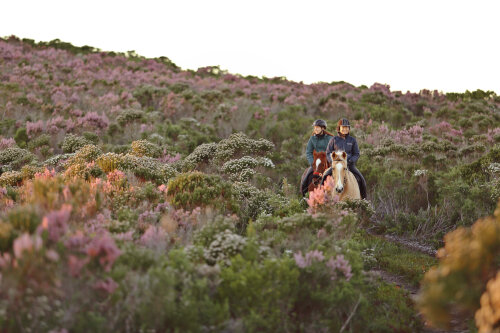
(314, 152)
(344, 155)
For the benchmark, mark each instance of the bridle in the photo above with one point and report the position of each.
(317, 178)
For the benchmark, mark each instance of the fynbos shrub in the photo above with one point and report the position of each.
(190, 190)
(145, 148)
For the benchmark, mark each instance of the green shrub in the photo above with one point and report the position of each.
(195, 189)
(21, 137)
(144, 167)
(238, 145)
(40, 141)
(91, 137)
(128, 116)
(6, 236)
(147, 168)
(178, 87)
(201, 154)
(87, 153)
(109, 161)
(14, 157)
(149, 95)
(11, 178)
(23, 219)
(56, 159)
(261, 294)
(71, 143)
(145, 148)
(242, 169)
(172, 294)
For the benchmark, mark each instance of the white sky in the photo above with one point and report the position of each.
(410, 45)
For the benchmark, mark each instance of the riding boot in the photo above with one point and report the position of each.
(306, 180)
(360, 179)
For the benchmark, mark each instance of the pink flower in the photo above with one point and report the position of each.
(5, 260)
(115, 176)
(76, 241)
(94, 120)
(167, 158)
(306, 261)
(46, 174)
(6, 143)
(33, 128)
(55, 222)
(25, 242)
(76, 264)
(104, 248)
(52, 255)
(162, 188)
(58, 98)
(339, 264)
(108, 285)
(321, 233)
(125, 236)
(154, 237)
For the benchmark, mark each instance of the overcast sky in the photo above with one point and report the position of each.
(410, 45)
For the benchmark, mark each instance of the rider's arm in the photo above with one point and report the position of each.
(309, 152)
(329, 149)
(355, 152)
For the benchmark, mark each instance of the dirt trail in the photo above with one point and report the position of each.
(408, 243)
(457, 324)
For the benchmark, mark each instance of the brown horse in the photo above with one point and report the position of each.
(345, 184)
(320, 164)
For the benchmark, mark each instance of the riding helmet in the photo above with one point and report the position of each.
(320, 122)
(343, 122)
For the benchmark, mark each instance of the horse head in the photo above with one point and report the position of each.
(320, 164)
(339, 170)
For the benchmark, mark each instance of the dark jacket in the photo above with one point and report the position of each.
(318, 143)
(349, 145)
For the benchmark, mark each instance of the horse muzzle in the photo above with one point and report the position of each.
(339, 189)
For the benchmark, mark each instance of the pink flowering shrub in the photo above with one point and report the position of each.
(56, 223)
(103, 248)
(322, 197)
(33, 128)
(6, 143)
(306, 261)
(408, 136)
(339, 265)
(155, 237)
(335, 265)
(445, 130)
(92, 120)
(26, 243)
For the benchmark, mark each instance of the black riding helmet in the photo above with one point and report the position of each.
(343, 122)
(320, 122)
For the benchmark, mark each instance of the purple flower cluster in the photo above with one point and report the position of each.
(339, 264)
(103, 248)
(306, 261)
(56, 223)
(335, 265)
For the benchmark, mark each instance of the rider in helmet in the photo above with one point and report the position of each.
(318, 141)
(344, 141)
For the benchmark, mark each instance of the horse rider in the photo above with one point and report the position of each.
(318, 141)
(344, 141)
